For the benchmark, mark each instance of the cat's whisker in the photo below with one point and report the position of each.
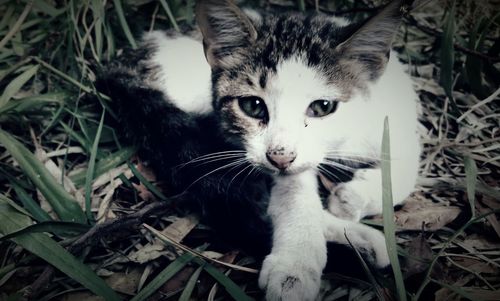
(237, 162)
(231, 169)
(340, 168)
(249, 173)
(352, 155)
(221, 155)
(234, 178)
(211, 160)
(323, 170)
(366, 161)
(234, 152)
(339, 165)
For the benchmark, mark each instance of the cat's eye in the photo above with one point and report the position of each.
(321, 107)
(253, 106)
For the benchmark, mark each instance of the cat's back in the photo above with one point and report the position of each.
(180, 70)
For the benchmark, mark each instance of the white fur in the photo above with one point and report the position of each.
(301, 226)
(254, 15)
(184, 74)
(294, 209)
(287, 96)
(340, 21)
(355, 129)
(359, 124)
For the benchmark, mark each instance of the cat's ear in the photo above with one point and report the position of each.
(369, 46)
(226, 31)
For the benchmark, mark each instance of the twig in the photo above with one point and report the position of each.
(195, 253)
(93, 236)
(109, 227)
(40, 283)
(481, 103)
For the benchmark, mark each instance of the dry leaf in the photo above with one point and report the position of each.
(420, 255)
(418, 210)
(125, 282)
(148, 253)
(180, 228)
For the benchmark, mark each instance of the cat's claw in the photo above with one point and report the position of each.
(284, 278)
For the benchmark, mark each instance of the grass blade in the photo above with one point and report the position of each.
(104, 165)
(17, 26)
(61, 201)
(170, 16)
(50, 251)
(368, 272)
(123, 23)
(471, 179)
(388, 213)
(163, 277)
(90, 170)
(302, 5)
(188, 290)
(16, 84)
(146, 183)
(234, 290)
(29, 204)
(166, 274)
(457, 233)
(447, 56)
(33, 102)
(457, 290)
(65, 229)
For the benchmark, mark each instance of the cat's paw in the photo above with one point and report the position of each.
(358, 198)
(346, 203)
(290, 278)
(369, 242)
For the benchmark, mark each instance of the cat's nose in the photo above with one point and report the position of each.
(280, 159)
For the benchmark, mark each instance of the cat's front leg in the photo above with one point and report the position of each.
(293, 269)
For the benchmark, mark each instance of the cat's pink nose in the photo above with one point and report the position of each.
(280, 159)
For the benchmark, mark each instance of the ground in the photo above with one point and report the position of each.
(83, 219)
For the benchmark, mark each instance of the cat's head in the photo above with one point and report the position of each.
(280, 82)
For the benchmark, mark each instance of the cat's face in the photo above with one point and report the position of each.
(282, 85)
(282, 116)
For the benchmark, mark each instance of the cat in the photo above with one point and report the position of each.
(242, 119)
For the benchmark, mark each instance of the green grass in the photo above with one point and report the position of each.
(63, 167)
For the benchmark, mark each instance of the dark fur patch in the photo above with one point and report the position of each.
(289, 283)
(263, 80)
(168, 137)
